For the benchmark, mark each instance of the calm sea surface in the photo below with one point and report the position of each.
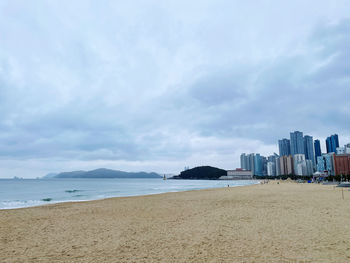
(33, 192)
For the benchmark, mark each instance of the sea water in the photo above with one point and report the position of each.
(18, 193)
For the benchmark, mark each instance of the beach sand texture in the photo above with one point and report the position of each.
(286, 222)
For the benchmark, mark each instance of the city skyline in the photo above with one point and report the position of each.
(300, 155)
(150, 86)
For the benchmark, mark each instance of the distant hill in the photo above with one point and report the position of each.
(50, 175)
(106, 173)
(202, 172)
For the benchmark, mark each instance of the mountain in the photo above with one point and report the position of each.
(106, 173)
(50, 175)
(202, 172)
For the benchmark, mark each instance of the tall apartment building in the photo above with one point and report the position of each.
(244, 161)
(332, 143)
(286, 165)
(284, 147)
(278, 166)
(258, 165)
(264, 161)
(309, 167)
(297, 143)
(309, 149)
(318, 152)
(271, 169)
(247, 161)
(251, 165)
(299, 164)
(325, 163)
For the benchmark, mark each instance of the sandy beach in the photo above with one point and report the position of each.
(286, 222)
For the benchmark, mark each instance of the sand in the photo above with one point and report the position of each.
(286, 222)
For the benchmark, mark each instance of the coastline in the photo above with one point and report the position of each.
(42, 202)
(284, 222)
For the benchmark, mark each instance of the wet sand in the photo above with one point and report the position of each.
(286, 222)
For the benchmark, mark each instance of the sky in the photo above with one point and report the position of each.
(160, 85)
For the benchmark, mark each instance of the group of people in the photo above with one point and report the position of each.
(264, 182)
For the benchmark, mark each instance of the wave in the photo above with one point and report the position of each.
(73, 191)
(33, 203)
(20, 203)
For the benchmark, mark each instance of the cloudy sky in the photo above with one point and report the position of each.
(159, 85)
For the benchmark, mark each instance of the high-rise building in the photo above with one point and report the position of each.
(297, 143)
(318, 152)
(309, 167)
(284, 147)
(272, 158)
(264, 165)
(325, 163)
(258, 165)
(247, 161)
(332, 143)
(286, 165)
(278, 166)
(309, 149)
(244, 161)
(328, 145)
(300, 164)
(271, 169)
(250, 162)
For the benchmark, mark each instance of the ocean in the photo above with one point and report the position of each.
(18, 193)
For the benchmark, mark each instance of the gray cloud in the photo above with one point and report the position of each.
(149, 86)
(296, 91)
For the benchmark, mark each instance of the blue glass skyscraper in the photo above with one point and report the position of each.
(258, 165)
(309, 148)
(325, 163)
(332, 143)
(318, 152)
(329, 144)
(244, 161)
(297, 143)
(247, 162)
(284, 147)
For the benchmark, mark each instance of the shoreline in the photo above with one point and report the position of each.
(285, 222)
(106, 198)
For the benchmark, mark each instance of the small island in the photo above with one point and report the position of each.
(202, 173)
